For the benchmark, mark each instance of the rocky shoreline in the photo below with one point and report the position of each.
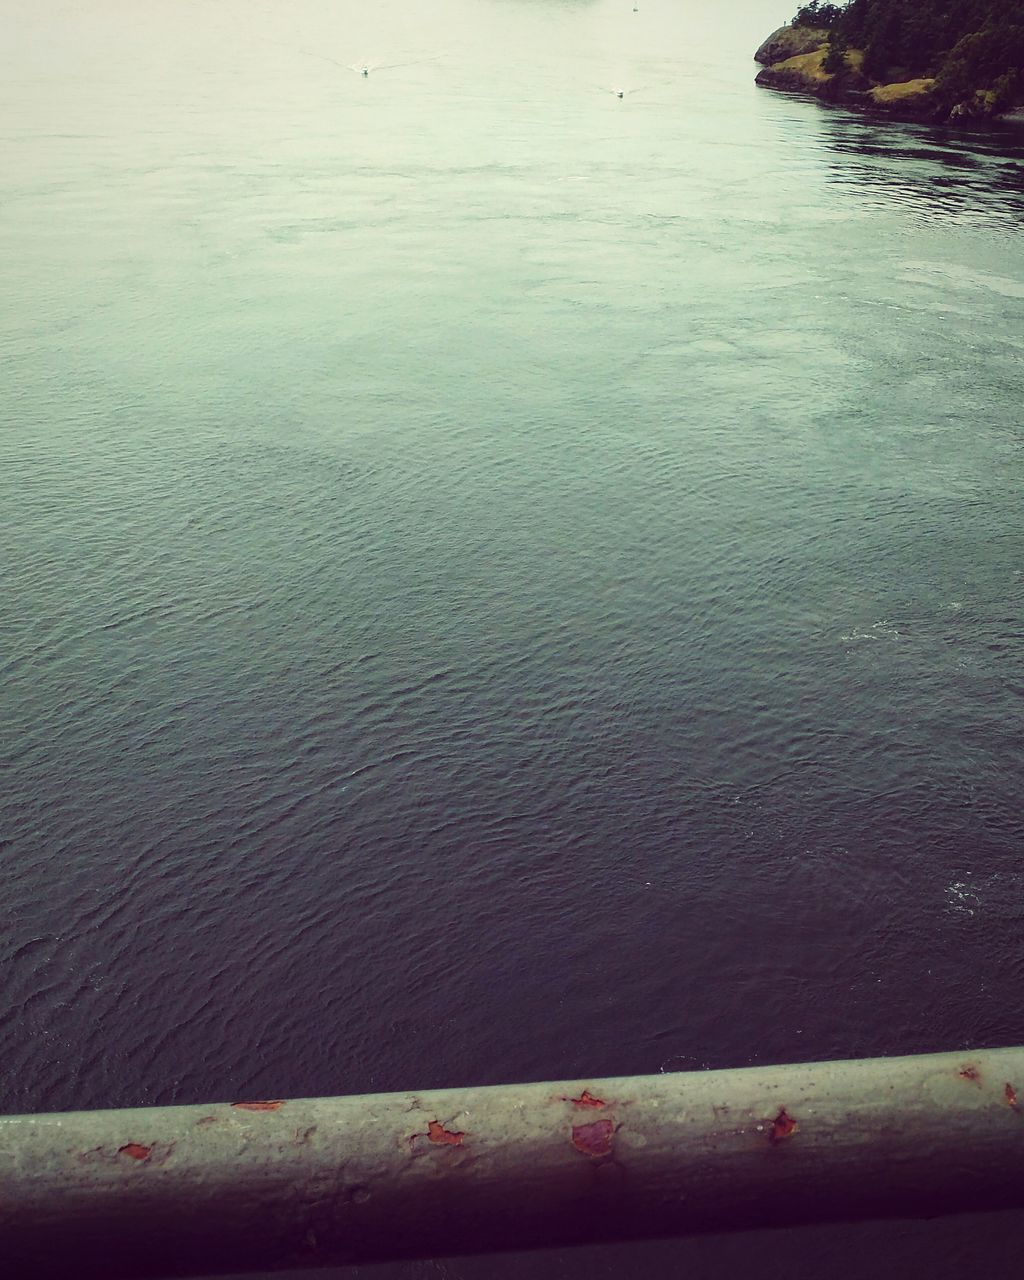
(793, 59)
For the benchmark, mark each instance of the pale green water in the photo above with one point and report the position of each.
(503, 582)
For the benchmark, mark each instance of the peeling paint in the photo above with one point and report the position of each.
(594, 1139)
(135, 1150)
(586, 1099)
(782, 1127)
(258, 1106)
(972, 1074)
(443, 1137)
(1010, 1094)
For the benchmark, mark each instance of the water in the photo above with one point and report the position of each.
(502, 582)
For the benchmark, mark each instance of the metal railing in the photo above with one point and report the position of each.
(259, 1185)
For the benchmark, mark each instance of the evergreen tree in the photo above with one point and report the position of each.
(966, 45)
(835, 59)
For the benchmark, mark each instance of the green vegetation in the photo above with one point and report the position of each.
(972, 49)
(818, 15)
(835, 59)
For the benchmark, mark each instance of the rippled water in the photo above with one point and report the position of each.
(503, 582)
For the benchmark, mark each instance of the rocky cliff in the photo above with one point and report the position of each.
(790, 42)
(803, 71)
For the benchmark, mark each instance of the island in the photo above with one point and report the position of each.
(963, 61)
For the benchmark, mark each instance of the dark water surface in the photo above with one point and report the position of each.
(502, 582)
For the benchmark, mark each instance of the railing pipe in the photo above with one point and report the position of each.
(262, 1185)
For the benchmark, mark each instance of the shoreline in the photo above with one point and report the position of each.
(792, 60)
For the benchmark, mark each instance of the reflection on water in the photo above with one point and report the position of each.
(955, 176)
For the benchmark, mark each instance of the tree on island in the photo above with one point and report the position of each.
(972, 49)
(835, 59)
(814, 14)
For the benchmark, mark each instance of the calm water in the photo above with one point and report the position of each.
(501, 582)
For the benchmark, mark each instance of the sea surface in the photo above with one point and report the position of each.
(500, 581)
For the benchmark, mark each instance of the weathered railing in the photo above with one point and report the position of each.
(271, 1184)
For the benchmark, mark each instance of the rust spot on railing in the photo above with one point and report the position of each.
(782, 1127)
(1010, 1094)
(594, 1139)
(586, 1099)
(443, 1137)
(135, 1150)
(258, 1106)
(971, 1074)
